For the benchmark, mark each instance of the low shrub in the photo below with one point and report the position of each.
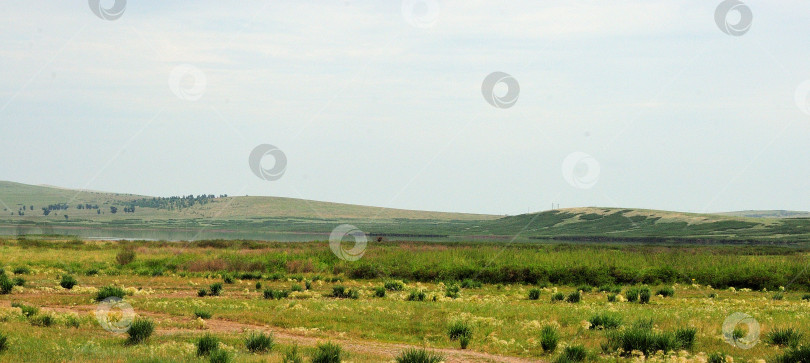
(21, 270)
(778, 296)
(43, 320)
(67, 282)
(125, 256)
(461, 331)
(109, 291)
(215, 289)
(716, 357)
(18, 281)
(342, 293)
(574, 297)
(794, 355)
(666, 292)
(644, 296)
(202, 292)
(379, 291)
(534, 294)
(452, 291)
(416, 295)
(258, 342)
(549, 338)
(296, 287)
(631, 295)
(219, 356)
(275, 294)
(207, 344)
(611, 297)
(685, 337)
(292, 355)
(557, 297)
(6, 285)
(394, 285)
(413, 355)
(585, 288)
(806, 297)
(3, 342)
(471, 284)
(202, 314)
(258, 285)
(228, 279)
(573, 353)
(784, 337)
(605, 321)
(27, 310)
(140, 330)
(328, 353)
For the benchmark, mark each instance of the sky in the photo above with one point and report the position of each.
(638, 104)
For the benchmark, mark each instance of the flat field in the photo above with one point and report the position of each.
(405, 295)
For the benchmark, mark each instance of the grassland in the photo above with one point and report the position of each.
(163, 281)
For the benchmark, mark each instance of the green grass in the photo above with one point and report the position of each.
(605, 321)
(206, 345)
(258, 342)
(413, 355)
(784, 336)
(328, 353)
(549, 337)
(140, 330)
(108, 292)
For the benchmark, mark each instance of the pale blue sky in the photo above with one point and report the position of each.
(372, 110)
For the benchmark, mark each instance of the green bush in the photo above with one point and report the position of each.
(341, 292)
(22, 270)
(3, 342)
(125, 256)
(585, 288)
(6, 285)
(452, 291)
(43, 320)
(573, 353)
(215, 289)
(207, 344)
(67, 282)
(686, 337)
(27, 310)
(228, 279)
(557, 297)
(394, 285)
(794, 355)
(605, 321)
(574, 297)
(18, 281)
(328, 353)
(413, 355)
(471, 284)
(202, 292)
(534, 294)
(461, 331)
(806, 297)
(784, 337)
(292, 355)
(219, 356)
(258, 285)
(611, 297)
(202, 314)
(549, 338)
(416, 295)
(666, 292)
(644, 296)
(717, 357)
(275, 294)
(258, 342)
(631, 295)
(379, 291)
(109, 291)
(296, 287)
(140, 330)
(308, 284)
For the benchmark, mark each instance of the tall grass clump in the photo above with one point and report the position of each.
(215, 289)
(258, 342)
(794, 355)
(3, 342)
(471, 284)
(328, 353)
(219, 356)
(644, 296)
(549, 338)
(394, 285)
(778, 296)
(717, 357)
(461, 331)
(292, 355)
(612, 297)
(379, 291)
(341, 292)
(67, 282)
(202, 314)
(413, 355)
(109, 291)
(558, 296)
(416, 295)
(666, 292)
(631, 294)
(574, 297)
(685, 337)
(534, 294)
(6, 285)
(27, 310)
(784, 337)
(207, 344)
(125, 256)
(640, 337)
(140, 330)
(275, 294)
(605, 321)
(573, 353)
(452, 291)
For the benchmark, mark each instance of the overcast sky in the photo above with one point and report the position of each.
(624, 103)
